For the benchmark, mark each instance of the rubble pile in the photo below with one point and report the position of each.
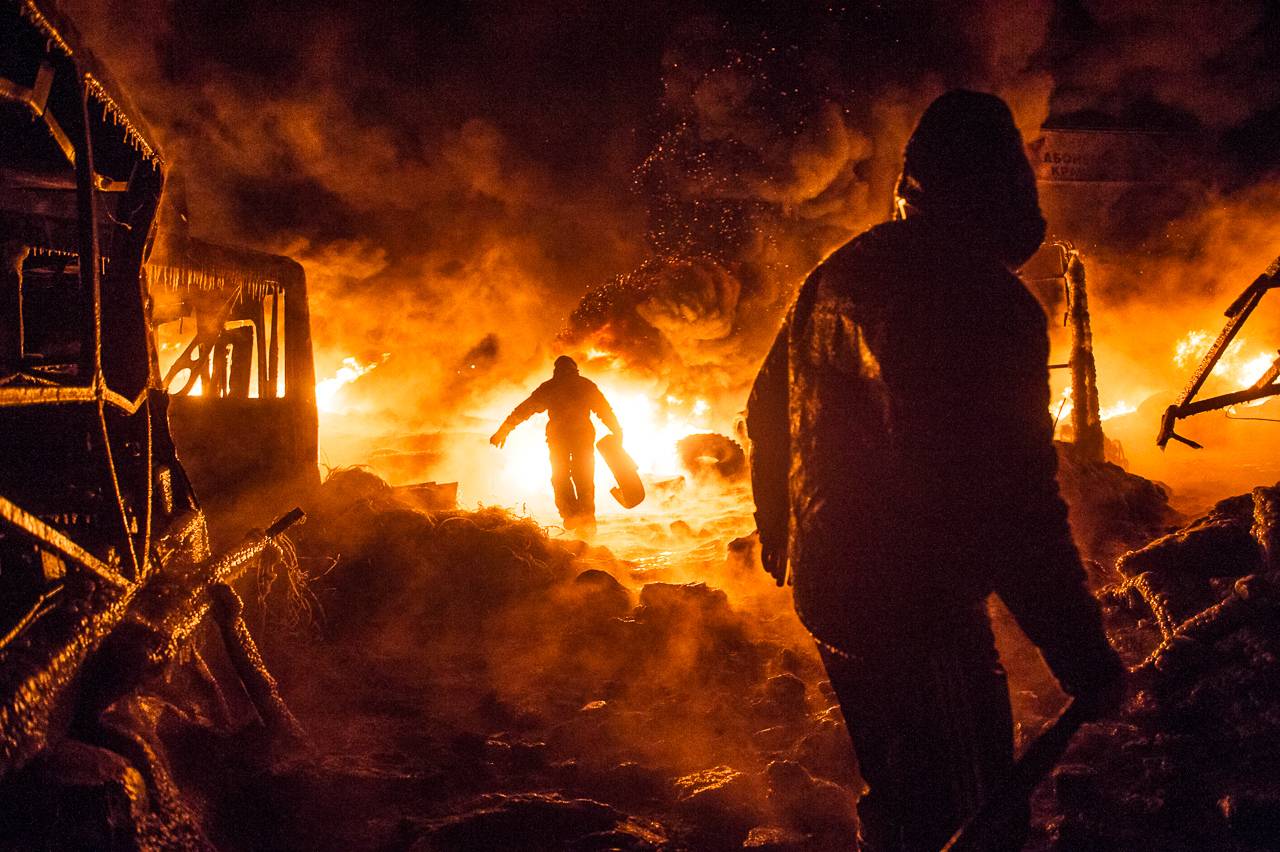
(1112, 510)
(480, 685)
(1190, 764)
(392, 562)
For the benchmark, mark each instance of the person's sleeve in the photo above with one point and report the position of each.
(1051, 603)
(535, 404)
(1043, 584)
(604, 411)
(769, 432)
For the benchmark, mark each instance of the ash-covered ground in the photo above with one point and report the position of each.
(473, 681)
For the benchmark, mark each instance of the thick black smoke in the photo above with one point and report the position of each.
(457, 176)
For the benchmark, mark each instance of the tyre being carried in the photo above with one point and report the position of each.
(629, 491)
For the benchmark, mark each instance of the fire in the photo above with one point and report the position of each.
(652, 425)
(1120, 409)
(1062, 407)
(1235, 369)
(1254, 369)
(1191, 347)
(329, 390)
(651, 432)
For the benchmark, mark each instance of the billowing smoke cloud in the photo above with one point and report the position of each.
(765, 176)
(781, 140)
(442, 189)
(460, 180)
(1209, 64)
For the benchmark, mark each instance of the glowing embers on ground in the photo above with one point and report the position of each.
(652, 424)
(329, 391)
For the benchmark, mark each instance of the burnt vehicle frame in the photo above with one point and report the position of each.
(106, 577)
(233, 331)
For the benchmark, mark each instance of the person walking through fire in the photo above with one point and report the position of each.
(570, 399)
(903, 468)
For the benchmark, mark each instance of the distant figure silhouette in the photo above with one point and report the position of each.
(569, 399)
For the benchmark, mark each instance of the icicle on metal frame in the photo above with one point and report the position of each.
(118, 117)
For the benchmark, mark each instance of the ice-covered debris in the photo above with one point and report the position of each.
(1189, 764)
(1111, 509)
(449, 567)
(547, 670)
(1205, 581)
(722, 800)
(537, 822)
(808, 803)
(774, 838)
(601, 592)
(1218, 544)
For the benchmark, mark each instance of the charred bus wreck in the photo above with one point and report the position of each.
(233, 339)
(105, 573)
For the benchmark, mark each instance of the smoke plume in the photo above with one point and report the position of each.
(477, 186)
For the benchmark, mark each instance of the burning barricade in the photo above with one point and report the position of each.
(473, 679)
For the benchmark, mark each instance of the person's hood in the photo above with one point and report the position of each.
(564, 366)
(965, 168)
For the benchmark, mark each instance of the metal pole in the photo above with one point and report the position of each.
(87, 201)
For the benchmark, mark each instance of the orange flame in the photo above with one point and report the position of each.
(1235, 370)
(652, 426)
(328, 391)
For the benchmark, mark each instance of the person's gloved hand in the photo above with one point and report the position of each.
(499, 438)
(774, 557)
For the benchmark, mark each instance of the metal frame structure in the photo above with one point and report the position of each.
(106, 576)
(1237, 313)
(242, 302)
(92, 497)
(114, 386)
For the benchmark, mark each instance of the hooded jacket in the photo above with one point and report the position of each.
(902, 449)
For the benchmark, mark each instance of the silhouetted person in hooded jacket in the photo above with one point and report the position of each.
(570, 400)
(903, 469)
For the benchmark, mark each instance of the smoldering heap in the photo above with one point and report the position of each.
(516, 692)
(467, 682)
(474, 683)
(1189, 764)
